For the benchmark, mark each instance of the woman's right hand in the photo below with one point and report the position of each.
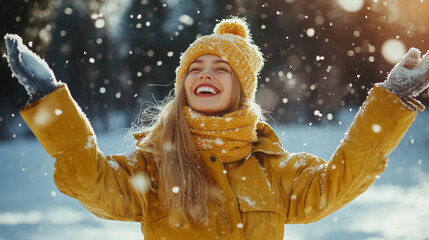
(30, 70)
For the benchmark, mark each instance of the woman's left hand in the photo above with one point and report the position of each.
(410, 76)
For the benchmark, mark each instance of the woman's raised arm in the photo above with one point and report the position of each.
(104, 185)
(314, 188)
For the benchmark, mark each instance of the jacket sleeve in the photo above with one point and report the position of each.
(101, 184)
(313, 188)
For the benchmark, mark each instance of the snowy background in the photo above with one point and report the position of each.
(395, 207)
(322, 56)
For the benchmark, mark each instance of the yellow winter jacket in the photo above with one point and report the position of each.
(262, 193)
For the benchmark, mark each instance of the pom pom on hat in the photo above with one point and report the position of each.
(231, 40)
(234, 26)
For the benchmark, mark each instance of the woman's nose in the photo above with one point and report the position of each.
(205, 74)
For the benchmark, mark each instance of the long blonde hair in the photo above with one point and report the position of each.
(183, 179)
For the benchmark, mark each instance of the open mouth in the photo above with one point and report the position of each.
(206, 90)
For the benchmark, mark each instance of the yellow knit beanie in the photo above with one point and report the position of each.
(232, 42)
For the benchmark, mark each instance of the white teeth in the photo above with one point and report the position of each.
(206, 89)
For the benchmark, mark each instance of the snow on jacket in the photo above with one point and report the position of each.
(263, 192)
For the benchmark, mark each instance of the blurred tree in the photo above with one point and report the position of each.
(117, 54)
(80, 54)
(32, 20)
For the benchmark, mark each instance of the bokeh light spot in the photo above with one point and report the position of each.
(351, 5)
(393, 50)
(99, 23)
(310, 32)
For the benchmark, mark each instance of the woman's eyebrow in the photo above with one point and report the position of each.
(196, 61)
(221, 61)
(216, 61)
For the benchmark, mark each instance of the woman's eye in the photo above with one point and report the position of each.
(194, 70)
(223, 69)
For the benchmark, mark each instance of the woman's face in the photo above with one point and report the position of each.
(208, 85)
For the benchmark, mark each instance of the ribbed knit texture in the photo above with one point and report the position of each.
(231, 135)
(232, 42)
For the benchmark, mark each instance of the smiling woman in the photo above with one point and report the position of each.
(208, 167)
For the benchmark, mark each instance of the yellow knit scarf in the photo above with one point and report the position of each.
(230, 135)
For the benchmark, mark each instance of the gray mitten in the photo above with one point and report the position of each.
(30, 70)
(410, 76)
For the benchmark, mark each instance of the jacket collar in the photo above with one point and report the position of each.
(268, 142)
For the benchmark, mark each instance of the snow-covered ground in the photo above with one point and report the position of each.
(395, 207)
